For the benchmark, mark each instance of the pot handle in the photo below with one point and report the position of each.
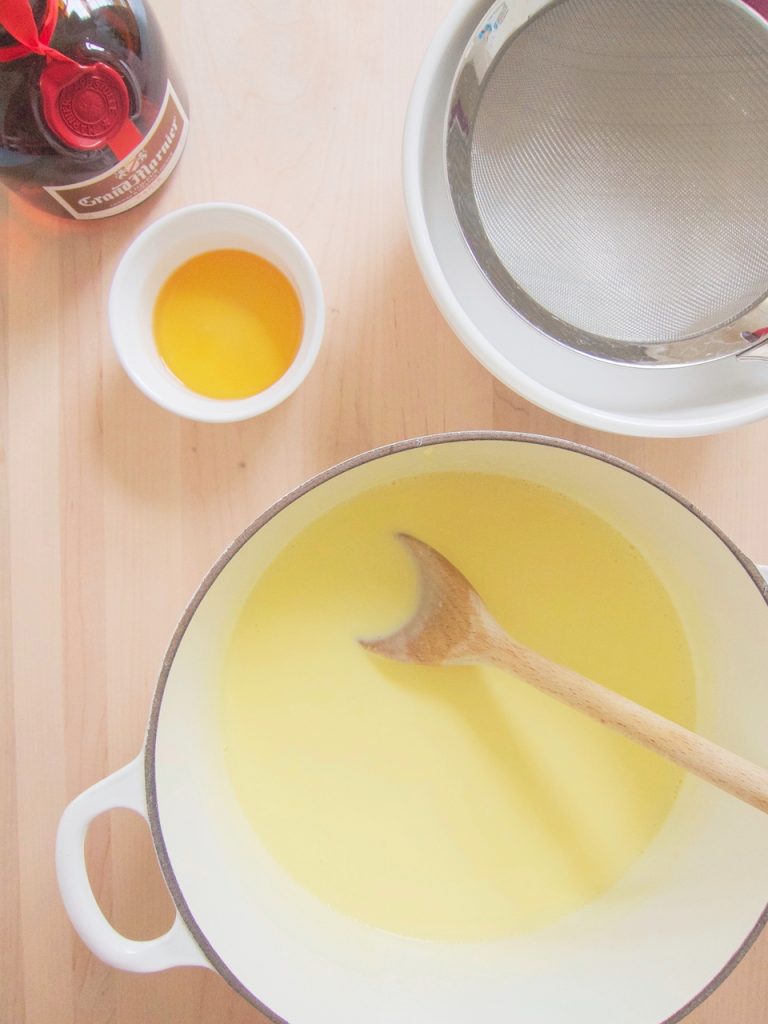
(177, 948)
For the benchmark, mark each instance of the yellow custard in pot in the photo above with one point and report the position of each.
(451, 803)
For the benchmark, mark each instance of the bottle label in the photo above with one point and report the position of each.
(136, 177)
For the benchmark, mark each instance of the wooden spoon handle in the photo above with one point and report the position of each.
(714, 764)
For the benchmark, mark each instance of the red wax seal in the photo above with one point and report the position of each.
(84, 105)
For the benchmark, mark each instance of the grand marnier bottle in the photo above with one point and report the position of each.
(92, 114)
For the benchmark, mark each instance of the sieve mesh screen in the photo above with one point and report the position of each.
(617, 164)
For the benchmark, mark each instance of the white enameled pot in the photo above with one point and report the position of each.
(646, 952)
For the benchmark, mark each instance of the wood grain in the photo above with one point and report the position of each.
(111, 510)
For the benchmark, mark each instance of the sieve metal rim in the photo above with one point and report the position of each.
(500, 26)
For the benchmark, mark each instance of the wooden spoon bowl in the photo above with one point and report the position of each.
(452, 626)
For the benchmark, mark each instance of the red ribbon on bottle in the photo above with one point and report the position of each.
(86, 106)
(18, 21)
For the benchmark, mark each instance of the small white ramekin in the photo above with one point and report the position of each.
(157, 252)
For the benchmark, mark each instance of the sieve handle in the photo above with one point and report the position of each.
(758, 345)
(177, 948)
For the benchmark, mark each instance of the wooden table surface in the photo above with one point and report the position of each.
(111, 510)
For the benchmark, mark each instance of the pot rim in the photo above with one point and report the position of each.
(323, 477)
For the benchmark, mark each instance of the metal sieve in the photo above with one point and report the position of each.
(607, 164)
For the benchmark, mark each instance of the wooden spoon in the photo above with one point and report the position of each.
(452, 626)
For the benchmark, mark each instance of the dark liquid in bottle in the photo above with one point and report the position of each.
(36, 162)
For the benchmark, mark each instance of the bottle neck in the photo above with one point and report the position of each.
(85, 106)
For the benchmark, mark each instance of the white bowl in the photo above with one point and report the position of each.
(157, 252)
(646, 401)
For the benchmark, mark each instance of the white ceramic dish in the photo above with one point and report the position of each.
(648, 950)
(645, 401)
(157, 252)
